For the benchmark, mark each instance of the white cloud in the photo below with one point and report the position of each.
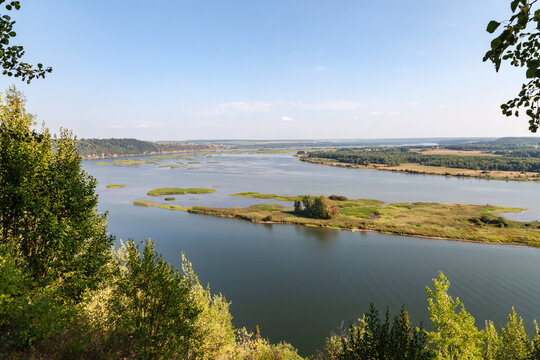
(249, 107)
(320, 68)
(339, 105)
(287, 118)
(149, 124)
(375, 113)
(393, 113)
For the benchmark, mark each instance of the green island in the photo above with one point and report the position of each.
(179, 191)
(115, 186)
(128, 162)
(170, 166)
(101, 163)
(480, 223)
(148, 203)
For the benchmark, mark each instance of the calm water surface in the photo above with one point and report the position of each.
(300, 284)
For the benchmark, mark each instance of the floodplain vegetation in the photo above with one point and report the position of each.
(115, 186)
(433, 220)
(493, 161)
(179, 191)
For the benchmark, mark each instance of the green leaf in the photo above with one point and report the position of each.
(531, 73)
(492, 26)
(495, 43)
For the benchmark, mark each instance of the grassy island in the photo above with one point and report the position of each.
(433, 220)
(179, 191)
(101, 163)
(147, 203)
(115, 186)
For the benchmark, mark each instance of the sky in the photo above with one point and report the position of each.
(267, 69)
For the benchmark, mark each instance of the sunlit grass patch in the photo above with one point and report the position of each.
(115, 186)
(179, 191)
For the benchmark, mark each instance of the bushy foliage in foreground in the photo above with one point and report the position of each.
(454, 335)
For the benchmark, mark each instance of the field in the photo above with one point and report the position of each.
(412, 168)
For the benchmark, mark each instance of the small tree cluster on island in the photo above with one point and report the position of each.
(316, 207)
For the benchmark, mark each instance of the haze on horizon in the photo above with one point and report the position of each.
(267, 69)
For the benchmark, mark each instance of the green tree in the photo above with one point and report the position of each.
(454, 336)
(48, 205)
(316, 207)
(370, 338)
(519, 43)
(11, 55)
(151, 310)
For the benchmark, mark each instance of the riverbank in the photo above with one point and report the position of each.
(413, 168)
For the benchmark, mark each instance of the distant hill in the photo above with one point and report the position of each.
(524, 141)
(110, 148)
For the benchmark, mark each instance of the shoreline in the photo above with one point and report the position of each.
(253, 221)
(458, 174)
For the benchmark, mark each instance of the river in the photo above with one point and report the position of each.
(300, 284)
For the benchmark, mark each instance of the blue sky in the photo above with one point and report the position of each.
(295, 69)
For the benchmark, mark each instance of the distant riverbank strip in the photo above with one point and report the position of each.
(415, 161)
(479, 223)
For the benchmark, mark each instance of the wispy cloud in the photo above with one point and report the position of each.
(287, 118)
(375, 113)
(149, 124)
(250, 107)
(329, 105)
(393, 113)
(320, 68)
(451, 24)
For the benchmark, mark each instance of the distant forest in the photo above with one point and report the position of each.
(106, 148)
(515, 154)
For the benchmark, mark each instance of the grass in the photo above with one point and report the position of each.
(194, 162)
(413, 168)
(212, 162)
(161, 206)
(101, 163)
(480, 223)
(170, 166)
(115, 186)
(257, 195)
(128, 162)
(179, 191)
(192, 168)
(169, 198)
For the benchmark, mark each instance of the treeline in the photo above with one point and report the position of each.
(105, 148)
(397, 156)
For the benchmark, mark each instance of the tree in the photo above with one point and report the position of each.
(455, 336)
(316, 207)
(11, 55)
(48, 204)
(519, 42)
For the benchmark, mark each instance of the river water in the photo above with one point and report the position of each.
(300, 284)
